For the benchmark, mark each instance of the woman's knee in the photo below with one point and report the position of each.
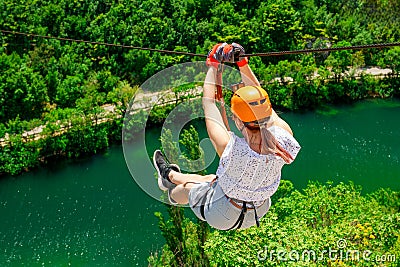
(181, 194)
(209, 177)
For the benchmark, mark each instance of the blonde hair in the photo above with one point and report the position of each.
(269, 144)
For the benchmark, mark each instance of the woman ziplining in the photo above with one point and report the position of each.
(249, 170)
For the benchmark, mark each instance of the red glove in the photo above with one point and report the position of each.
(219, 53)
(238, 51)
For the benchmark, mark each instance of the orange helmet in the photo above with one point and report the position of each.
(251, 103)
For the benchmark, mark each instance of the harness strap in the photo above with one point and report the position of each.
(240, 220)
(202, 207)
(243, 212)
(256, 216)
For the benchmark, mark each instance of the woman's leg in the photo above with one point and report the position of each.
(184, 183)
(180, 194)
(183, 178)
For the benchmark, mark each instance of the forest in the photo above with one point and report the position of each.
(62, 86)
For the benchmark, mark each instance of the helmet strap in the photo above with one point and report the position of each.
(241, 129)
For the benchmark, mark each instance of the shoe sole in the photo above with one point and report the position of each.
(159, 179)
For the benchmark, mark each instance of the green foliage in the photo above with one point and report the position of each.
(192, 151)
(391, 59)
(84, 139)
(23, 91)
(260, 26)
(316, 220)
(275, 24)
(18, 155)
(122, 95)
(67, 133)
(339, 61)
(188, 138)
(302, 85)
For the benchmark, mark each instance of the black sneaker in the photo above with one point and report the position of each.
(163, 168)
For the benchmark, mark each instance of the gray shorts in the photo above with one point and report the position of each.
(218, 211)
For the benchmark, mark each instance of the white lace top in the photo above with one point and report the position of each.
(245, 175)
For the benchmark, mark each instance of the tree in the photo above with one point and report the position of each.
(23, 90)
(122, 95)
(391, 60)
(339, 61)
(184, 239)
(276, 25)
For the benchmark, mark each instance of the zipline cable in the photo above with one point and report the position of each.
(328, 49)
(267, 54)
(102, 43)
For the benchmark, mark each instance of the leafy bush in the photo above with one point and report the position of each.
(319, 219)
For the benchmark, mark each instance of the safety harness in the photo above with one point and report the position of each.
(244, 207)
(239, 221)
(243, 212)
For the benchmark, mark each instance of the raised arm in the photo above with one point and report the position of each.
(216, 129)
(248, 77)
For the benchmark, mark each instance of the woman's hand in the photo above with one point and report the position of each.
(221, 52)
(248, 77)
(238, 52)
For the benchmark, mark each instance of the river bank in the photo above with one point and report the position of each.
(81, 133)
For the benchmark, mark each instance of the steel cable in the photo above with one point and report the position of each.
(267, 54)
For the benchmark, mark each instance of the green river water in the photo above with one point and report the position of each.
(92, 213)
